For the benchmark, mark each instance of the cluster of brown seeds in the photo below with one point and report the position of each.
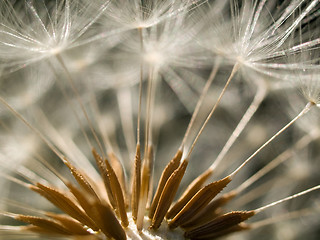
(88, 212)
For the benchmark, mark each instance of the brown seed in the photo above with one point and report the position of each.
(237, 228)
(85, 200)
(107, 221)
(136, 184)
(104, 174)
(192, 189)
(118, 169)
(210, 212)
(65, 203)
(199, 201)
(75, 227)
(168, 194)
(221, 223)
(39, 230)
(46, 225)
(82, 181)
(89, 237)
(117, 192)
(145, 184)
(150, 166)
(167, 172)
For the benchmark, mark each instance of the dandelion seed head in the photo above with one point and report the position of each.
(145, 121)
(311, 88)
(253, 35)
(143, 15)
(154, 57)
(42, 30)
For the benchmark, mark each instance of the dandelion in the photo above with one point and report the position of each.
(143, 15)
(35, 30)
(106, 150)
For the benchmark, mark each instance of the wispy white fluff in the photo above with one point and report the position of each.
(257, 32)
(135, 14)
(42, 29)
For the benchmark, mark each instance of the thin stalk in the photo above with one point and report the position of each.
(101, 124)
(66, 144)
(233, 72)
(260, 191)
(303, 112)
(136, 173)
(302, 143)
(45, 163)
(148, 109)
(287, 199)
(67, 97)
(17, 230)
(16, 180)
(260, 95)
(200, 101)
(72, 84)
(22, 206)
(197, 183)
(125, 108)
(38, 157)
(37, 132)
(140, 87)
(115, 161)
(284, 217)
(146, 171)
